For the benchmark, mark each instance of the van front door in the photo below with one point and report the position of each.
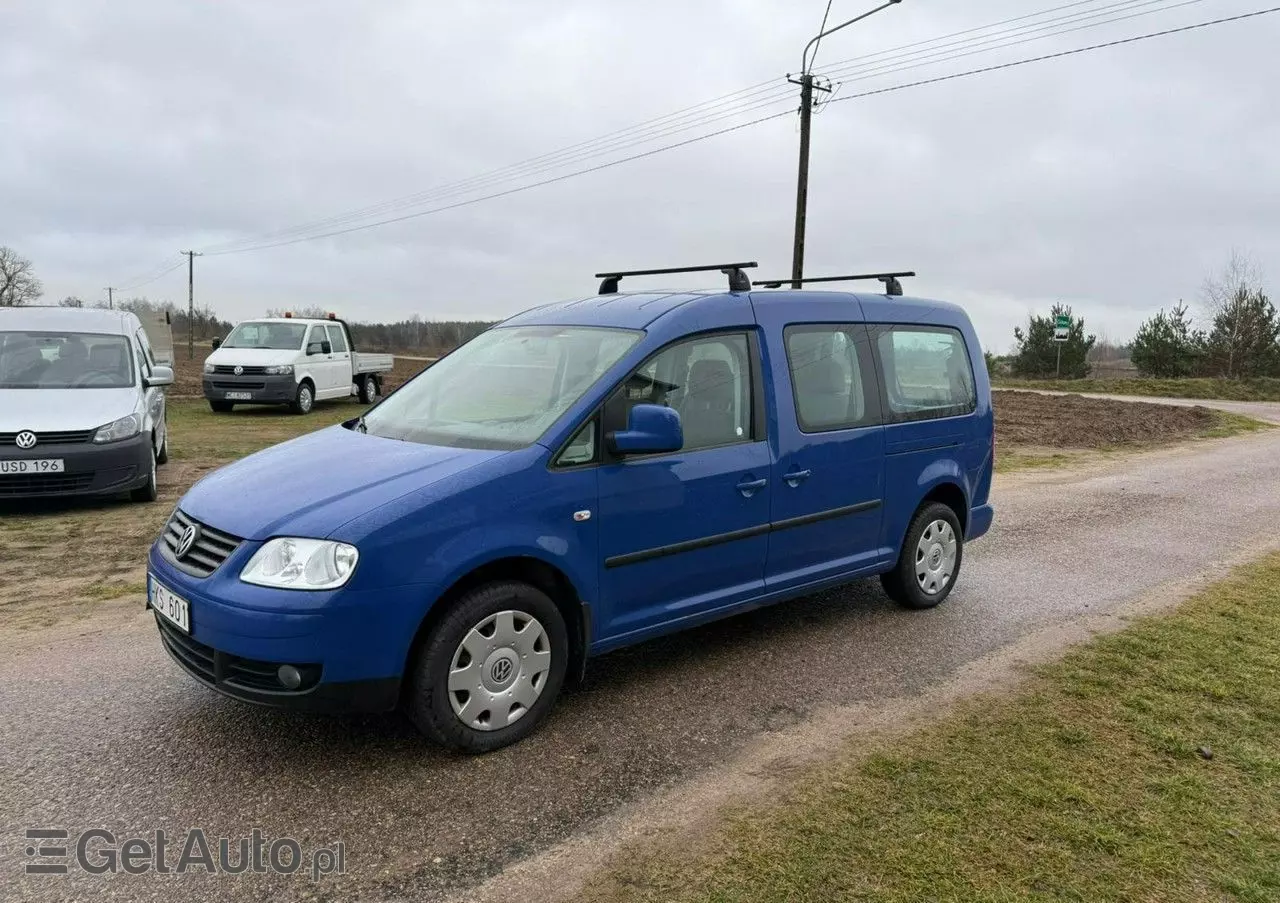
(685, 534)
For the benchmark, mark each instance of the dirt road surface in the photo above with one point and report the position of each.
(101, 730)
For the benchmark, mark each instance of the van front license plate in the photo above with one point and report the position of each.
(239, 396)
(38, 465)
(173, 607)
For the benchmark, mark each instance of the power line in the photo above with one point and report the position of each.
(140, 281)
(762, 119)
(743, 101)
(942, 55)
(516, 190)
(1061, 54)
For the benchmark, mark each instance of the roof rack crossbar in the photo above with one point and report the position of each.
(738, 281)
(890, 280)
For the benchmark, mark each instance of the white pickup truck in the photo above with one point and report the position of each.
(293, 361)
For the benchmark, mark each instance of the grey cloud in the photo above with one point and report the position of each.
(1114, 180)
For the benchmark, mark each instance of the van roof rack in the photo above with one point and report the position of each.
(738, 281)
(891, 284)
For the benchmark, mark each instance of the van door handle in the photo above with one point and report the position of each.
(795, 478)
(749, 488)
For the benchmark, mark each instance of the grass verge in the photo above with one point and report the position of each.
(1261, 389)
(1143, 766)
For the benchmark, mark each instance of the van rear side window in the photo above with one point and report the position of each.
(926, 372)
(826, 377)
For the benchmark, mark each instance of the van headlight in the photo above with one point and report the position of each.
(292, 563)
(279, 370)
(208, 367)
(124, 428)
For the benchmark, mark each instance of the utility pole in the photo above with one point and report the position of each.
(111, 301)
(191, 302)
(807, 87)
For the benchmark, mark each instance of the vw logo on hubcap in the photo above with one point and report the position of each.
(25, 439)
(186, 542)
(501, 671)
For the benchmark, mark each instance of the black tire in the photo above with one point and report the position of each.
(163, 456)
(149, 491)
(221, 407)
(427, 699)
(369, 389)
(305, 400)
(902, 583)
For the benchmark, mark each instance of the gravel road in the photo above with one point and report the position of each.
(100, 730)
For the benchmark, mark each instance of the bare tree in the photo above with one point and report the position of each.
(1242, 339)
(71, 301)
(18, 284)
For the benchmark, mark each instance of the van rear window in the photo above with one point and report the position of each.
(926, 372)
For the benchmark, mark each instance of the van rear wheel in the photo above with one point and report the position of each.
(368, 389)
(929, 562)
(490, 670)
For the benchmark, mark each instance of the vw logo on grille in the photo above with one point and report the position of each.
(238, 371)
(188, 540)
(26, 439)
(501, 670)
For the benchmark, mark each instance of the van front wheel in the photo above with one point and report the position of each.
(305, 400)
(490, 670)
(929, 562)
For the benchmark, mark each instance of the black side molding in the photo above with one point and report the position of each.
(805, 519)
(676, 548)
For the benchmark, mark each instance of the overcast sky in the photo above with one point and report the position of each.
(1113, 180)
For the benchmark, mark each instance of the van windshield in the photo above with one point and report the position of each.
(501, 390)
(273, 336)
(64, 360)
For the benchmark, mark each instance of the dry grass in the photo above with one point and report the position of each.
(1145, 766)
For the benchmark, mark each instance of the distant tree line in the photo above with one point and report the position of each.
(1241, 342)
(430, 337)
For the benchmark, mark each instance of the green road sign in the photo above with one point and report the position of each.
(1063, 322)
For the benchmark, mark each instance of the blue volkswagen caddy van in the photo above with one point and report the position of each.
(583, 476)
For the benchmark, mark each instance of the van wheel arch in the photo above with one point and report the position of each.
(519, 569)
(953, 497)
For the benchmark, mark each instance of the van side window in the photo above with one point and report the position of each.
(706, 380)
(581, 448)
(826, 377)
(926, 372)
(148, 358)
(338, 339)
(317, 338)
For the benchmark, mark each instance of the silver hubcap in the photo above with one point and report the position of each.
(499, 670)
(371, 388)
(304, 398)
(936, 557)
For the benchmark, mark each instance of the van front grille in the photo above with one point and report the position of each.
(207, 552)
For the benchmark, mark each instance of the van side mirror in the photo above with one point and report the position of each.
(160, 376)
(651, 429)
(326, 348)
(216, 343)
(317, 348)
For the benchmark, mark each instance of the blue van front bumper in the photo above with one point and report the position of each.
(349, 647)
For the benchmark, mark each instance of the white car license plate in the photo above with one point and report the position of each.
(239, 396)
(36, 465)
(174, 608)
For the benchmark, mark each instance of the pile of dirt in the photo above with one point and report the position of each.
(1075, 421)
